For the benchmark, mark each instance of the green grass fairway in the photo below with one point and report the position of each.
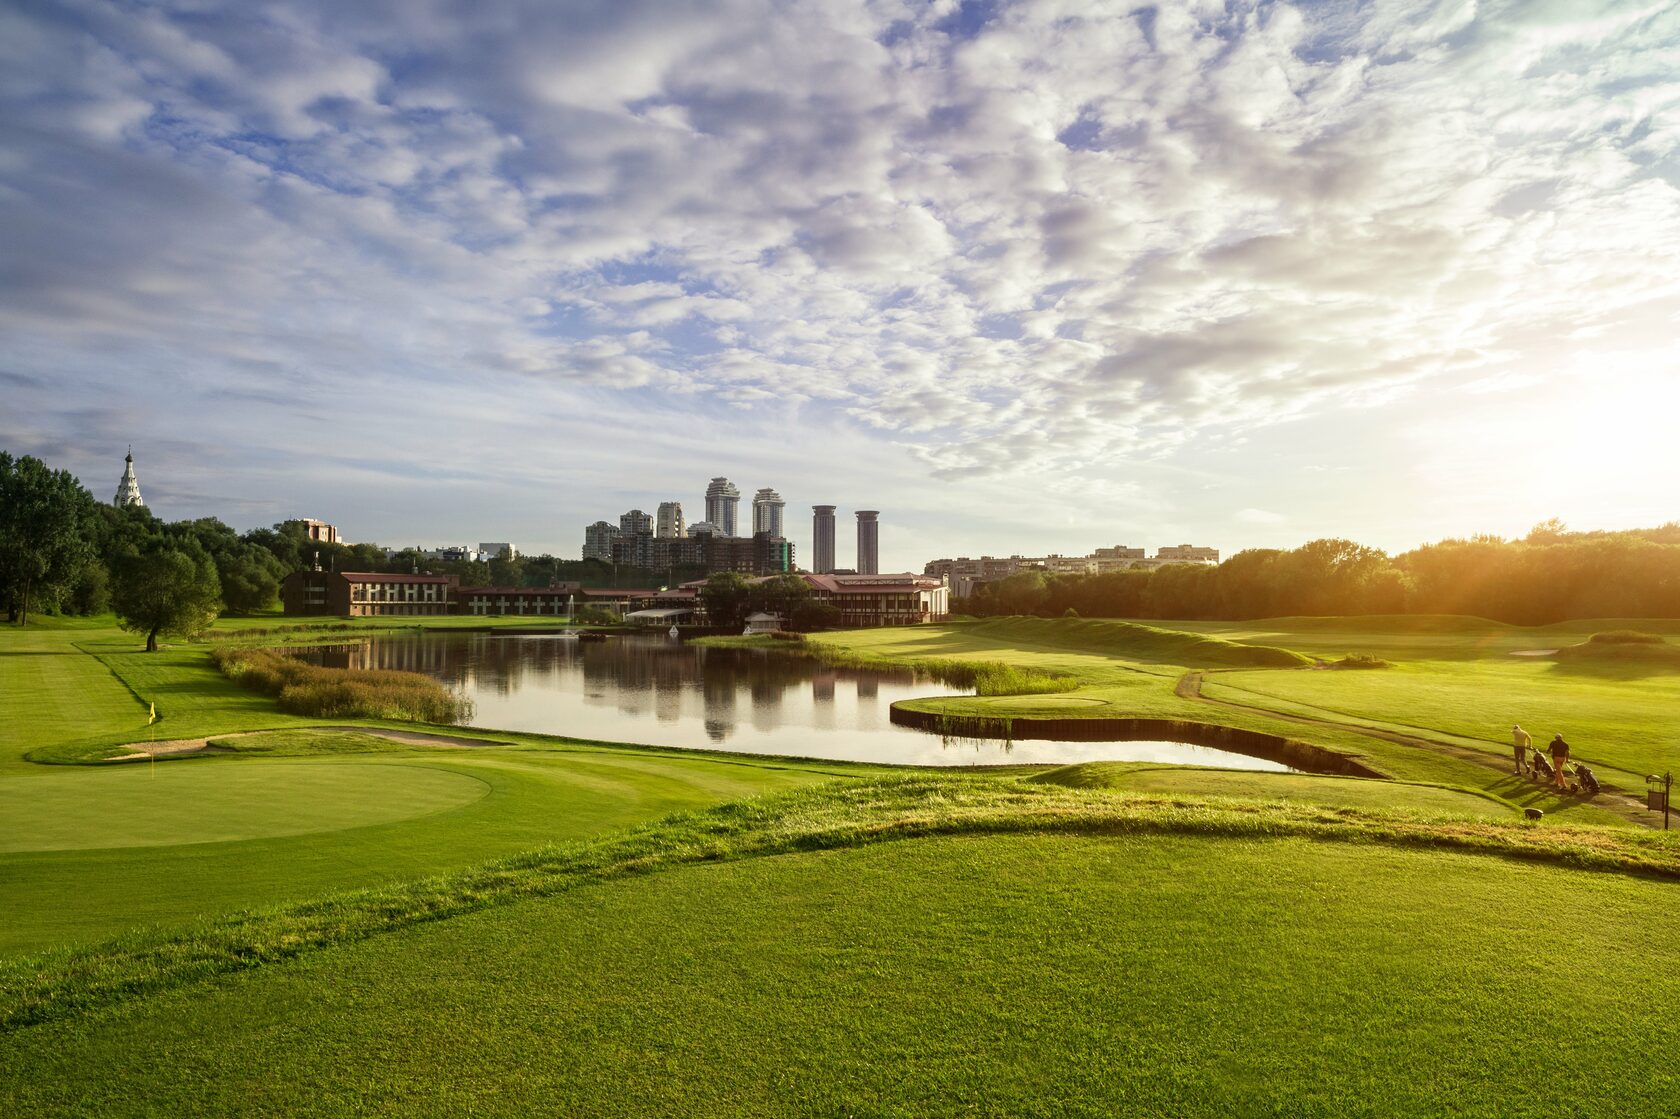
(1001, 975)
(1332, 792)
(516, 799)
(1454, 682)
(1628, 721)
(199, 802)
(87, 853)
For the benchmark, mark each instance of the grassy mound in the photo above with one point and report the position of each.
(1332, 792)
(1019, 963)
(1133, 641)
(1626, 637)
(69, 983)
(1358, 661)
(1658, 655)
(1385, 623)
(342, 693)
(307, 741)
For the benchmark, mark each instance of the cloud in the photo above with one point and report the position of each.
(1060, 241)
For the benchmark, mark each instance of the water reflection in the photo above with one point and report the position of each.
(657, 691)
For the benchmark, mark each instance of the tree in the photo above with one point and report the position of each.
(780, 595)
(814, 614)
(168, 589)
(46, 531)
(1024, 592)
(726, 598)
(249, 573)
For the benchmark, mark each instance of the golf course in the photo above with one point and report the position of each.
(234, 910)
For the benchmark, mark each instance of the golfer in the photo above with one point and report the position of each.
(1560, 758)
(1520, 742)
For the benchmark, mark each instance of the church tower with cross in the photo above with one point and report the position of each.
(128, 490)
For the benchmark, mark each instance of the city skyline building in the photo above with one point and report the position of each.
(868, 542)
(320, 532)
(767, 510)
(128, 490)
(723, 498)
(822, 539)
(635, 521)
(668, 524)
(598, 541)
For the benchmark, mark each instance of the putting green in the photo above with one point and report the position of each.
(215, 801)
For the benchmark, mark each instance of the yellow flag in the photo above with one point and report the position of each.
(152, 718)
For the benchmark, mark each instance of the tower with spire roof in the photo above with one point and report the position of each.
(128, 490)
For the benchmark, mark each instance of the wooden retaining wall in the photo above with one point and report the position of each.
(1289, 751)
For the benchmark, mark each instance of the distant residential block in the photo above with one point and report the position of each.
(320, 531)
(1188, 553)
(598, 541)
(965, 574)
(668, 523)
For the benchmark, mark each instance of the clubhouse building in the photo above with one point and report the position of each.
(374, 594)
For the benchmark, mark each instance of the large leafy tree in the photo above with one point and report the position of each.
(779, 594)
(169, 588)
(727, 598)
(249, 573)
(46, 529)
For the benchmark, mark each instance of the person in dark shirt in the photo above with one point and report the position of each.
(1560, 758)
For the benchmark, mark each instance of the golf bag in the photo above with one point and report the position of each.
(1588, 780)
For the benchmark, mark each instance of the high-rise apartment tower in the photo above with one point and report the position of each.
(635, 521)
(669, 523)
(722, 497)
(822, 539)
(869, 542)
(767, 512)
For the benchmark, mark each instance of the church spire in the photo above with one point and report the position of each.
(128, 490)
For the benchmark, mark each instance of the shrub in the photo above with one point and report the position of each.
(342, 693)
(1360, 660)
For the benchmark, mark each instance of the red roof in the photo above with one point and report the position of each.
(561, 590)
(608, 592)
(387, 577)
(871, 584)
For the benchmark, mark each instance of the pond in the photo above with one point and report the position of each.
(658, 691)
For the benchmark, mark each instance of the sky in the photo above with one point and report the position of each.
(1027, 277)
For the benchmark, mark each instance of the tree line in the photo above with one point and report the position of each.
(1550, 575)
(63, 552)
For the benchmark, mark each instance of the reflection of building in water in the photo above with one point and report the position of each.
(634, 689)
(717, 691)
(822, 685)
(766, 690)
(668, 704)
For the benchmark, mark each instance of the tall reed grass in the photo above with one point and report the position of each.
(342, 693)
